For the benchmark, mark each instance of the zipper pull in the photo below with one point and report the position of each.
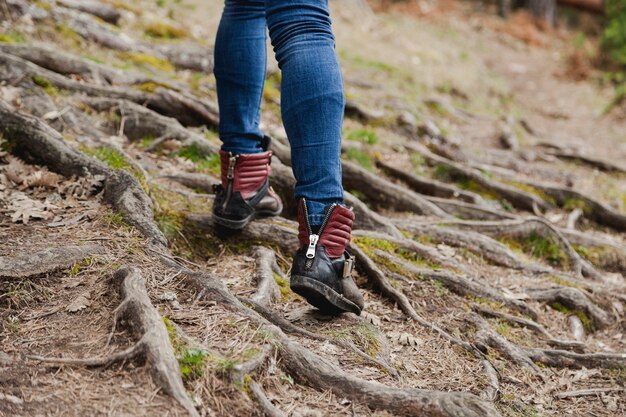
(310, 252)
(231, 167)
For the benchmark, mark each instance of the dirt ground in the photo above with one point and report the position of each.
(437, 87)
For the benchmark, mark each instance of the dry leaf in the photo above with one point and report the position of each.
(406, 339)
(79, 303)
(24, 208)
(371, 318)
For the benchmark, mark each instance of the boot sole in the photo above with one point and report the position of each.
(322, 296)
(240, 224)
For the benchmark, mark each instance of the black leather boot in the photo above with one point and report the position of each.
(245, 193)
(322, 269)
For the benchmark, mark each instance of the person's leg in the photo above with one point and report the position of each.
(240, 62)
(312, 98)
(312, 104)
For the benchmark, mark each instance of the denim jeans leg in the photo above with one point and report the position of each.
(312, 98)
(240, 62)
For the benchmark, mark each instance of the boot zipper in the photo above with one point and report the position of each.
(314, 238)
(229, 177)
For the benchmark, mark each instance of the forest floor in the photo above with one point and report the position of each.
(489, 185)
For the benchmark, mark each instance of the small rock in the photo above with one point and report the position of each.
(168, 296)
(407, 121)
(429, 128)
(508, 139)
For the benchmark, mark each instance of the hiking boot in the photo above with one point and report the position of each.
(245, 193)
(322, 269)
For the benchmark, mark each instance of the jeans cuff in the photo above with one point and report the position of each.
(316, 219)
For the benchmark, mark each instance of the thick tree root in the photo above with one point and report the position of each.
(492, 250)
(185, 55)
(102, 11)
(188, 110)
(32, 140)
(462, 286)
(485, 336)
(46, 261)
(430, 187)
(468, 210)
(593, 162)
(153, 343)
(532, 325)
(321, 374)
(290, 328)
(518, 198)
(386, 194)
(266, 266)
(573, 299)
(200, 182)
(524, 228)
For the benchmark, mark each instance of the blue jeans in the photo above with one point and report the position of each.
(312, 97)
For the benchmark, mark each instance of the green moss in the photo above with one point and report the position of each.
(116, 160)
(283, 285)
(164, 30)
(147, 61)
(125, 5)
(360, 157)
(69, 34)
(366, 136)
(45, 85)
(369, 245)
(114, 219)
(564, 282)
(79, 266)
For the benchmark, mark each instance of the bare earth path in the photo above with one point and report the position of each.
(490, 193)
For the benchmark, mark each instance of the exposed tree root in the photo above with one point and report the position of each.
(188, 110)
(573, 299)
(599, 212)
(593, 162)
(185, 55)
(485, 336)
(524, 228)
(290, 328)
(490, 249)
(153, 344)
(532, 325)
(468, 210)
(195, 181)
(66, 64)
(267, 288)
(321, 374)
(101, 10)
(140, 122)
(430, 187)
(45, 261)
(387, 194)
(32, 140)
(461, 285)
(518, 198)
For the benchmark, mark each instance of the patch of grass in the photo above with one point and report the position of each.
(360, 157)
(164, 30)
(45, 85)
(148, 61)
(114, 219)
(369, 245)
(116, 160)
(69, 34)
(79, 266)
(283, 285)
(210, 164)
(192, 362)
(539, 246)
(12, 37)
(366, 136)
(604, 257)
